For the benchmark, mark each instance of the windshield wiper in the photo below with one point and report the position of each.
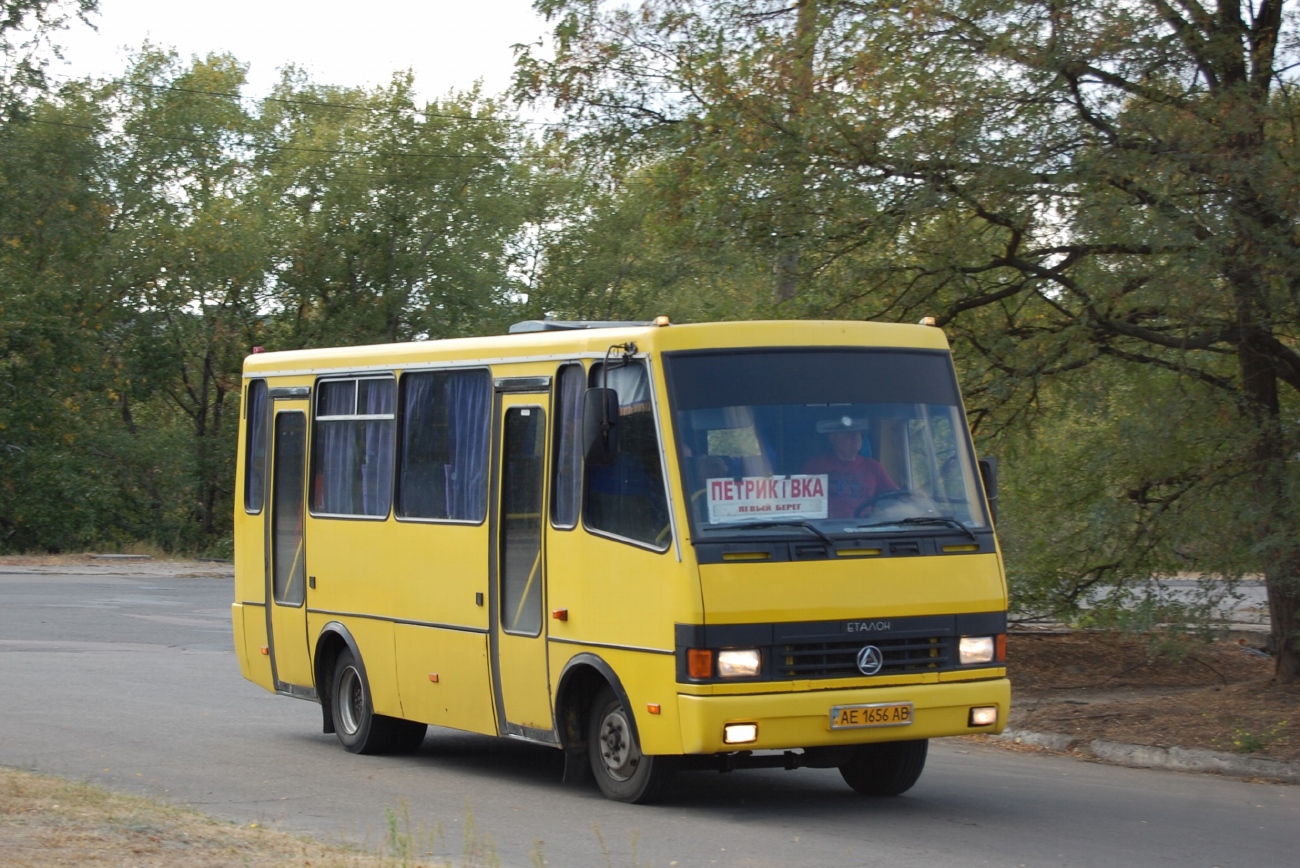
(806, 525)
(925, 519)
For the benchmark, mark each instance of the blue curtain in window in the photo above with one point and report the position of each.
(418, 496)
(336, 455)
(468, 394)
(354, 457)
(376, 398)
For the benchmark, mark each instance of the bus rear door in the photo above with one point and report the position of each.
(286, 576)
(518, 586)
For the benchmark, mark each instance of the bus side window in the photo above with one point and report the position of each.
(627, 498)
(259, 430)
(353, 447)
(442, 468)
(566, 486)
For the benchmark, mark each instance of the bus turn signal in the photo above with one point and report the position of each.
(699, 662)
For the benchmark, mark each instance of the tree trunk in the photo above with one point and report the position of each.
(791, 219)
(1269, 461)
(1283, 584)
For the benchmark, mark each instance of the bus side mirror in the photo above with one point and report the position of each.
(989, 474)
(600, 427)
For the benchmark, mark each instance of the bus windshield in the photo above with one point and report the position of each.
(833, 441)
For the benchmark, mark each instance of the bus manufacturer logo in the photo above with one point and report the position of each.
(870, 660)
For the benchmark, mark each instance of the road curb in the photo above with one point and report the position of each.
(1171, 758)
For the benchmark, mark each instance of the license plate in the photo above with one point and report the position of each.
(882, 714)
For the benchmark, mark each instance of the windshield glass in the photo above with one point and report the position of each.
(836, 441)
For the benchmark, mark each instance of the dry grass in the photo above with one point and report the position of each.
(44, 560)
(54, 823)
(114, 564)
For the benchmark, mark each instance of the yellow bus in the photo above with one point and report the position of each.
(652, 546)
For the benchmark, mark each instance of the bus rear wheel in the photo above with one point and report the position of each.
(886, 769)
(622, 771)
(358, 727)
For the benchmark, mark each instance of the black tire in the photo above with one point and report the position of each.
(886, 769)
(358, 727)
(622, 772)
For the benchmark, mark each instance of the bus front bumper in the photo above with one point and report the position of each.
(785, 721)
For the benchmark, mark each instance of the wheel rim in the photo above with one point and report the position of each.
(351, 701)
(617, 747)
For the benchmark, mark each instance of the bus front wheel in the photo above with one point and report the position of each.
(358, 727)
(886, 769)
(622, 771)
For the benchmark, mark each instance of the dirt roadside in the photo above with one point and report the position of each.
(53, 823)
(118, 565)
(1100, 685)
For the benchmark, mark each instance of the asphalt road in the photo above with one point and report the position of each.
(131, 682)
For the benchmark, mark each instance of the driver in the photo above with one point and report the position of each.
(852, 478)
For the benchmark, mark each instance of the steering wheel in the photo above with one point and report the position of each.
(884, 498)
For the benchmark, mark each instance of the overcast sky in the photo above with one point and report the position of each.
(449, 43)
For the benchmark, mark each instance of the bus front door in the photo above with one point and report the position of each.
(518, 588)
(286, 573)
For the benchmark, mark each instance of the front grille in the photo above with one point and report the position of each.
(839, 659)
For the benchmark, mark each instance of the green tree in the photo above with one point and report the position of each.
(1063, 184)
(392, 220)
(187, 263)
(51, 227)
(154, 229)
(25, 30)
(129, 264)
(619, 243)
(1127, 475)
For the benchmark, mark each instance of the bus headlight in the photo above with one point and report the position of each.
(975, 649)
(742, 663)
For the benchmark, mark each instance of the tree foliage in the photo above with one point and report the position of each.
(1070, 187)
(26, 27)
(154, 229)
(394, 221)
(50, 227)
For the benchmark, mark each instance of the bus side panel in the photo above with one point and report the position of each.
(249, 609)
(248, 615)
(396, 571)
(439, 571)
(436, 572)
(237, 628)
(461, 695)
(620, 598)
(374, 640)
(350, 563)
(250, 557)
(618, 594)
(649, 680)
(250, 638)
